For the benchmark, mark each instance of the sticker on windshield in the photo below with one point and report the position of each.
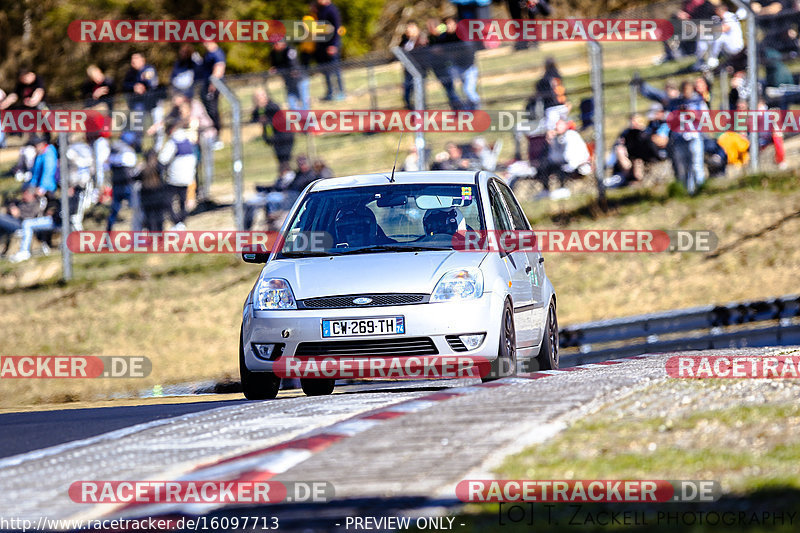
(466, 193)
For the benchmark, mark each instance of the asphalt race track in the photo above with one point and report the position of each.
(386, 448)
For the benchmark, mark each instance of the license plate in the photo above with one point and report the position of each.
(356, 327)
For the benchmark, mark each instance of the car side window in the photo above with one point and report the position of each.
(517, 215)
(499, 213)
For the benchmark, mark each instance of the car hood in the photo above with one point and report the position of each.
(369, 273)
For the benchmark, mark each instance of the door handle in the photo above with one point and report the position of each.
(528, 269)
(541, 260)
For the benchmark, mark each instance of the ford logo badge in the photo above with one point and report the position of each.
(362, 301)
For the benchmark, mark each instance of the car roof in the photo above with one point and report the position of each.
(461, 177)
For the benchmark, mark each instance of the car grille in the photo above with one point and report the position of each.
(384, 347)
(455, 343)
(378, 300)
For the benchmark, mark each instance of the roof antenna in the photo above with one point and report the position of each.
(391, 180)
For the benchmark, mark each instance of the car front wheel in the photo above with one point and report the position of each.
(317, 387)
(548, 353)
(506, 363)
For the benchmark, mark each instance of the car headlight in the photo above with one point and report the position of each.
(462, 284)
(273, 293)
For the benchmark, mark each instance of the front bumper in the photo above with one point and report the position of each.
(431, 320)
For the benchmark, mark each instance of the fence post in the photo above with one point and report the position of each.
(66, 254)
(419, 103)
(724, 86)
(596, 77)
(207, 158)
(752, 76)
(236, 127)
(373, 88)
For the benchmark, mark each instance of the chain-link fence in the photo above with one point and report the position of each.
(600, 89)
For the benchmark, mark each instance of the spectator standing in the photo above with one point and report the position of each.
(329, 54)
(411, 40)
(98, 89)
(549, 90)
(688, 148)
(461, 62)
(122, 162)
(178, 157)
(307, 48)
(97, 137)
(473, 9)
(286, 62)
(141, 86)
(80, 163)
(182, 78)
(153, 193)
(264, 111)
(533, 9)
(213, 65)
(778, 20)
(438, 59)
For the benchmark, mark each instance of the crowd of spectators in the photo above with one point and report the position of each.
(154, 170)
(100, 167)
(183, 118)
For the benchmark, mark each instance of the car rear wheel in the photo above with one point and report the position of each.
(506, 363)
(257, 385)
(317, 387)
(548, 353)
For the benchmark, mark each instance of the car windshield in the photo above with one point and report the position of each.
(381, 218)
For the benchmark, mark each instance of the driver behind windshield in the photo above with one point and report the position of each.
(443, 222)
(355, 227)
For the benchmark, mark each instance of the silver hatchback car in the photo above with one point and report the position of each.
(385, 279)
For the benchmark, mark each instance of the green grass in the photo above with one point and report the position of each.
(754, 478)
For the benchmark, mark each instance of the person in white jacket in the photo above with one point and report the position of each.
(568, 156)
(730, 40)
(179, 159)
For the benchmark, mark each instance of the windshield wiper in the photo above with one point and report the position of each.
(298, 254)
(379, 248)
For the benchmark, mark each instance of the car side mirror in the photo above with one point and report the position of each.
(255, 257)
(255, 254)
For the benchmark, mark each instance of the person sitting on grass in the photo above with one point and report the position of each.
(28, 214)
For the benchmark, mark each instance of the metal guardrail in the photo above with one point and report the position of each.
(706, 327)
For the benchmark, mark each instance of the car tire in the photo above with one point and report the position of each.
(505, 364)
(257, 385)
(548, 353)
(317, 387)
